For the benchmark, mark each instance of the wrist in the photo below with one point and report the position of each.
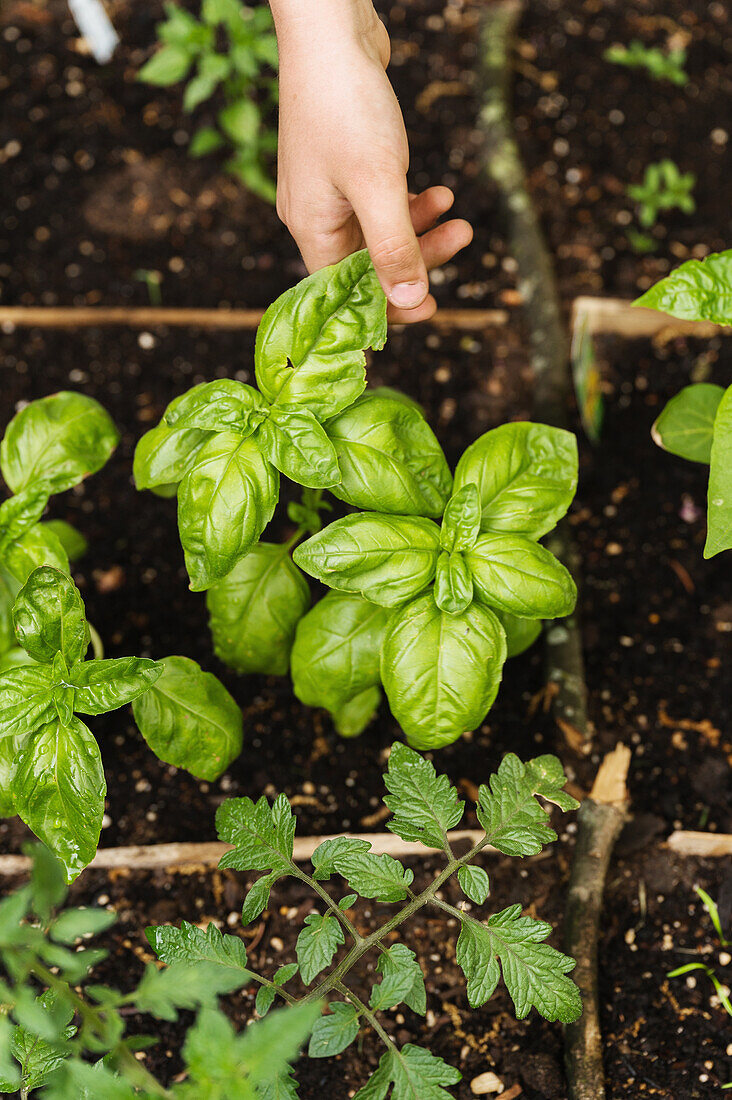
(301, 23)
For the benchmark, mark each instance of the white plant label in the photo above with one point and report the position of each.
(96, 27)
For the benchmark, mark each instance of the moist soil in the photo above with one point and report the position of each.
(102, 190)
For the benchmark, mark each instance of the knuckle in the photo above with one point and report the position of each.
(394, 254)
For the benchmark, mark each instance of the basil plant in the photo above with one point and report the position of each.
(435, 578)
(696, 424)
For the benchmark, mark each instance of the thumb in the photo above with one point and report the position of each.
(383, 214)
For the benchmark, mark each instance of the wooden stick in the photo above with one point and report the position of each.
(600, 819)
(193, 857)
(619, 317)
(472, 320)
(686, 842)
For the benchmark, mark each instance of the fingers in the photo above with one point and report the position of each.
(427, 207)
(322, 249)
(384, 216)
(438, 246)
(412, 316)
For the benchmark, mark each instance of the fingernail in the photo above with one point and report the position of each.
(408, 295)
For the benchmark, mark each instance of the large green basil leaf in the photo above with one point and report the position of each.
(389, 458)
(224, 405)
(441, 672)
(59, 791)
(311, 342)
(73, 542)
(164, 456)
(294, 441)
(387, 559)
(15, 657)
(189, 719)
(526, 476)
(49, 617)
(686, 425)
(38, 546)
(335, 659)
(461, 521)
(719, 499)
(9, 751)
(512, 573)
(520, 633)
(101, 686)
(453, 583)
(56, 442)
(254, 610)
(9, 589)
(26, 699)
(19, 513)
(225, 501)
(698, 290)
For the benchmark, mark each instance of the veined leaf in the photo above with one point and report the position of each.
(474, 883)
(326, 856)
(719, 535)
(403, 981)
(184, 985)
(520, 633)
(49, 617)
(514, 574)
(26, 699)
(190, 944)
(514, 821)
(164, 456)
(333, 1033)
(317, 943)
(40, 1058)
(372, 876)
(262, 834)
(686, 425)
(72, 540)
(424, 804)
(698, 290)
(414, 1073)
(38, 546)
(461, 521)
(19, 513)
(223, 405)
(311, 342)
(294, 441)
(101, 686)
(453, 583)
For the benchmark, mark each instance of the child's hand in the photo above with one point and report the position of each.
(343, 154)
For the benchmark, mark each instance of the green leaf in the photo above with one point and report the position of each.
(403, 981)
(335, 658)
(520, 633)
(49, 617)
(39, 1059)
(101, 686)
(81, 1081)
(38, 546)
(59, 791)
(474, 883)
(686, 425)
(295, 442)
(9, 589)
(698, 290)
(461, 521)
(514, 574)
(415, 1073)
(347, 901)
(205, 141)
(221, 406)
(453, 583)
(514, 821)
(535, 973)
(371, 876)
(225, 501)
(317, 944)
(165, 455)
(26, 699)
(189, 719)
(387, 559)
(48, 881)
(168, 66)
(264, 999)
(267, 1049)
(424, 804)
(73, 924)
(19, 513)
(526, 476)
(719, 497)
(257, 899)
(190, 944)
(333, 1033)
(240, 121)
(54, 443)
(212, 69)
(184, 985)
(311, 342)
(326, 855)
(262, 834)
(389, 458)
(441, 672)
(254, 611)
(72, 540)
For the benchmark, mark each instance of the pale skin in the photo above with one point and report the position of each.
(343, 155)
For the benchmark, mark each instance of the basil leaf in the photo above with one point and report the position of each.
(389, 458)
(164, 456)
(520, 633)
(526, 475)
(223, 405)
(295, 442)
(9, 751)
(72, 540)
(9, 589)
(26, 699)
(102, 686)
(38, 546)
(189, 719)
(311, 342)
(441, 672)
(686, 425)
(56, 442)
(515, 574)
(254, 610)
(49, 617)
(225, 501)
(19, 513)
(719, 500)
(59, 791)
(461, 521)
(698, 290)
(335, 659)
(385, 558)
(453, 583)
